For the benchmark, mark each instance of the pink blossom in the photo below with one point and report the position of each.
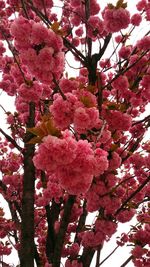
(75, 3)
(136, 19)
(124, 52)
(141, 5)
(125, 215)
(118, 120)
(121, 83)
(138, 251)
(63, 110)
(101, 162)
(95, 27)
(21, 36)
(107, 227)
(68, 85)
(43, 4)
(86, 119)
(30, 93)
(2, 48)
(114, 161)
(144, 43)
(116, 19)
(75, 174)
(79, 31)
(10, 119)
(94, 7)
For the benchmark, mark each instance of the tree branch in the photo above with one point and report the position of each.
(11, 140)
(127, 261)
(133, 195)
(27, 250)
(62, 231)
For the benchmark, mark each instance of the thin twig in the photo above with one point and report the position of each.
(127, 261)
(132, 195)
(11, 140)
(15, 59)
(24, 9)
(59, 89)
(109, 255)
(125, 70)
(98, 256)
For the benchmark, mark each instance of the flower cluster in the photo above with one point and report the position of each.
(116, 19)
(104, 229)
(75, 174)
(40, 49)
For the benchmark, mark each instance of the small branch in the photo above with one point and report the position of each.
(125, 70)
(3, 109)
(75, 52)
(67, 43)
(87, 256)
(62, 231)
(59, 89)
(133, 195)
(88, 40)
(98, 256)
(103, 49)
(127, 261)
(81, 222)
(15, 59)
(11, 140)
(109, 255)
(146, 119)
(24, 9)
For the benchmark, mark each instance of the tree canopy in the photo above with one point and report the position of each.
(75, 146)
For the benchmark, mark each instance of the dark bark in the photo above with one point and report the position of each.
(62, 231)
(52, 215)
(27, 225)
(93, 60)
(81, 222)
(87, 256)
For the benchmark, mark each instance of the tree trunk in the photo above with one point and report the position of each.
(27, 224)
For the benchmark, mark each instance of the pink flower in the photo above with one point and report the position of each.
(141, 5)
(94, 7)
(124, 52)
(43, 4)
(107, 227)
(144, 43)
(30, 93)
(86, 119)
(115, 161)
(21, 36)
(75, 173)
(95, 27)
(118, 120)
(136, 19)
(101, 162)
(63, 110)
(10, 119)
(79, 31)
(138, 251)
(121, 83)
(75, 3)
(125, 215)
(116, 19)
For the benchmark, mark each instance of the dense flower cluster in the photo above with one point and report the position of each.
(116, 19)
(75, 174)
(37, 44)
